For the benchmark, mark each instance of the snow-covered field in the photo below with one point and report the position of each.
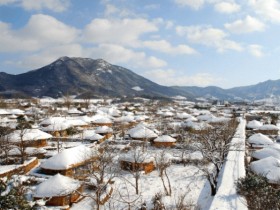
(184, 181)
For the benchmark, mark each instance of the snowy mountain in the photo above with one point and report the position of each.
(84, 77)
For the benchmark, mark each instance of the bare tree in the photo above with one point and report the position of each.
(101, 173)
(136, 158)
(124, 196)
(162, 163)
(5, 144)
(67, 101)
(214, 144)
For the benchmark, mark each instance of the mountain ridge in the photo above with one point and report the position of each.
(86, 77)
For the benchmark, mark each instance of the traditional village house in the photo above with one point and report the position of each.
(269, 151)
(268, 167)
(70, 162)
(254, 124)
(105, 131)
(164, 141)
(90, 135)
(141, 132)
(30, 137)
(102, 121)
(59, 190)
(258, 141)
(136, 160)
(268, 129)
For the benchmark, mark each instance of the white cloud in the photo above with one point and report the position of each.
(208, 36)
(255, 50)
(268, 9)
(54, 5)
(46, 29)
(171, 77)
(111, 10)
(166, 47)
(125, 31)
(227, 7)
(41, 31)
(249, 24)
(120, 55)
(194, 4)
(11, 41)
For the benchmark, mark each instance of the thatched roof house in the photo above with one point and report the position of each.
(30, 137)
(164, 141)
(59, 190)
(69, 161)
(258, 141)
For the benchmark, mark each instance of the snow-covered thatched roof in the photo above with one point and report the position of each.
(68, 158)
(260, 139)
(268, 127)
(136, 156)
(254, 124)
(103, 130)
(28, 135)
(55, 186)
(164, 138)
(268, 167)
(266, 152)
(141, 132)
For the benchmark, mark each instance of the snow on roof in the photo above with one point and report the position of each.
(205, 117)
(136, 156)
(196, 125)
(165, 138)
(102, 119)
(167, 114)
(141, 117)
(218, 119)
(57, 127)
(192, 118)
(254, 124)
(268, 127)
(15, 111)
(268, 167)
(128, 118)
(28, 151)
(53, 120)
(28, 135)
(91, 135)
(174, 125)
(260, 139)
(75, 122)
(103, 129)
(141, 131)
(3, 112)
(266, 152)
(68, 158)
(183, 115)
(57, 185)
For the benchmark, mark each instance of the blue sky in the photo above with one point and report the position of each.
(225, 43)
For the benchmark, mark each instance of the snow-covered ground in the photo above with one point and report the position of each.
(184, 180)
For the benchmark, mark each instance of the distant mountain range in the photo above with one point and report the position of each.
(86, 77)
